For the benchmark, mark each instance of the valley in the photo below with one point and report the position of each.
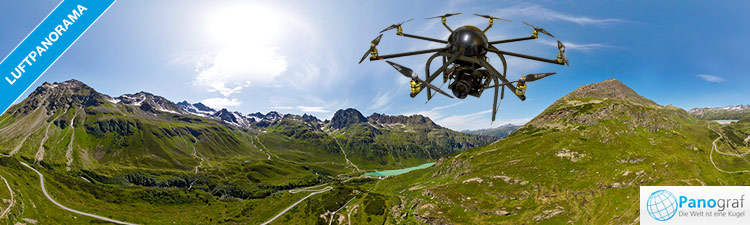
(121, 158)
(141, 159)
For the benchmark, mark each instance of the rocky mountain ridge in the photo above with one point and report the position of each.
(498, 132)
(730, 112)
(78, 94)
(147, 130)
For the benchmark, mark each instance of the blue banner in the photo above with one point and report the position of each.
(45, 44)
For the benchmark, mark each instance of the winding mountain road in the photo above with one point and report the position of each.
(716, 149)
(347, 203)
(295, 204)
(41, 181)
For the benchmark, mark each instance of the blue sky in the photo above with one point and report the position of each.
(301, 56)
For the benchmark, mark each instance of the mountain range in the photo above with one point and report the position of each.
(131, 147)
(146, 130)
(498, 132)
(144, 159)
(722, 113)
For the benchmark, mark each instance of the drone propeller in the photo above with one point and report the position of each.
(535, 76)
(491, 17)
(562, 58)
(394, 26)
(444, 16)
(539, 29)
(411, 74)
(524, 79)
(372, 47)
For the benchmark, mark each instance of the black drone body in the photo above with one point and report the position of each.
(469, 40)
(465, 64)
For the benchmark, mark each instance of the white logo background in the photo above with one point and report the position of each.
(686, 215)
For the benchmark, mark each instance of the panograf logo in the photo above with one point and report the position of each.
(662, 205)
(694, 205)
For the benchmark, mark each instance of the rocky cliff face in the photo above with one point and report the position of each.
(347, 117)
(420, 120)
(54, 96)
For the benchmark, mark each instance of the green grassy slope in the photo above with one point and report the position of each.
(132, 163)
(580, 161)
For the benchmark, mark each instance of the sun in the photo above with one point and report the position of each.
(244, 24)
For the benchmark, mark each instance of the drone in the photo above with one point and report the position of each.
(465, 63)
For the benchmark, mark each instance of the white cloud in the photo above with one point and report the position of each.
(220, 103)
(711, 78)
(231, 69)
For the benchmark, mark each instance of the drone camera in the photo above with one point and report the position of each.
(467, 81)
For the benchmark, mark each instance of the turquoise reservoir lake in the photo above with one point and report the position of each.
(398, 171)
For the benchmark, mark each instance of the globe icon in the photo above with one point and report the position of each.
(661, 205)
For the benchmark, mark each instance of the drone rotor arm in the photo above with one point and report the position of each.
(494, 72)
(512, 40)
(432, 76)
(407, 54)
(553, 61)
(430, 86)
(446, 25)
(494, 101)
(424, 38)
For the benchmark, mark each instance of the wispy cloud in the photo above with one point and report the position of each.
(477, 120)
(462, 122)
(711, 78)
(582, 47)
(322, 108)
(434, 113)
(314, 109)
(281, 107)
(526, 10)
(220, 103)
(382, 99)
